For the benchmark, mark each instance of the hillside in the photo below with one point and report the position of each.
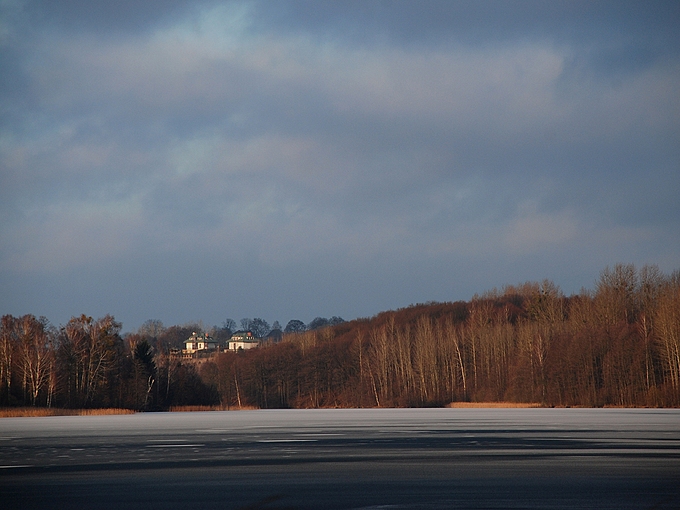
(618, 345)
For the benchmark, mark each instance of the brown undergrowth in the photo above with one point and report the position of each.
(481, 405)
(28, 412)
(189, 409)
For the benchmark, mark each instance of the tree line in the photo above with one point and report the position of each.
(88, 363)
(617, 345)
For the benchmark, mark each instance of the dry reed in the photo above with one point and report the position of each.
(481, 405)
(189, 409)
(28, 412)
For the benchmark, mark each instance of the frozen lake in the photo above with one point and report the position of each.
(341, 459)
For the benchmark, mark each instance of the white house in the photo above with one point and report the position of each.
(198, 342)
(243, 340)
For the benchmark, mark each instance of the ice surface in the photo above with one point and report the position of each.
(346, 458)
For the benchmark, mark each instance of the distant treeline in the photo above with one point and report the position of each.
(617, 345)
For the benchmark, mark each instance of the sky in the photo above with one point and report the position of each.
(202, 160)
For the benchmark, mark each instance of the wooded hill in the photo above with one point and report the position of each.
(618, 345)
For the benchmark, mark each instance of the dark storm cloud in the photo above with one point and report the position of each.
(329, 158)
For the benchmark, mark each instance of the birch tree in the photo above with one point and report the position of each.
(35, 355)
(667, 319)
(8, 346)
(88, 350)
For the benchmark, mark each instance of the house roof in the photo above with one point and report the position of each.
(242, 334)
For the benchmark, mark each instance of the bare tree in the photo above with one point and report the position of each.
(460, 362)
(35, 355)
(259, 327)
(229, 324)
(152, 328)
(615, 294)
(8, 345)
(667, 319)
(87, 352)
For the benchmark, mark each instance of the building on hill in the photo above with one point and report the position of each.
(243, 340)
(199, 346)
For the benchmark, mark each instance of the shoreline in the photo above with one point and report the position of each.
(38, 412)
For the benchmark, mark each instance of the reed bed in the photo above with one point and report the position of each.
(482, 405)
(189, 409)
(28, 412)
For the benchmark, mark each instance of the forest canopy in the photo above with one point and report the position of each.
(615, 345)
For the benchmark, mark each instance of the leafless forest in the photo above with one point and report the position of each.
(616, 345)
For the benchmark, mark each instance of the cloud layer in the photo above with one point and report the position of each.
(205, 160)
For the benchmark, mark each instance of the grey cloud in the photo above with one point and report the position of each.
(474, 23)
(332, 161)
(102, 16)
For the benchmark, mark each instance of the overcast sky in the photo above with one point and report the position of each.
(188, 160)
